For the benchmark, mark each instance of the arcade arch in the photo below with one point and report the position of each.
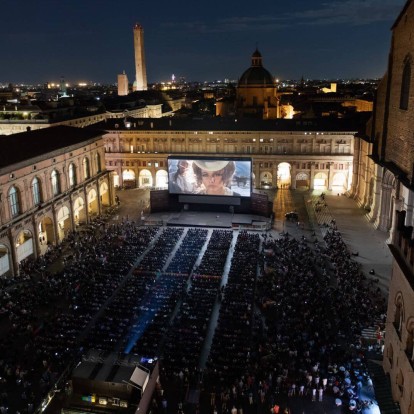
(266, 179)
(302, 180)
(115, 176)
(128, 178)
(93, 207)
(283, 175)
(79, 211)
(24, 245)
(161, 179)
(63, 219)
(104, 194)
(339, 182)
(320, 181)
(4, 259)
(46, 233)
(145, 178)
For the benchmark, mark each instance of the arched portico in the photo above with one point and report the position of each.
(302, 180)
(63, 221)
(266, 179)
(46, 234)
(128, 178)
(284, 178)
(339, 182)
(387, 201)
(115, 176)
(161, 179)
(4, 260)
(104, 194)
(79, 211)
(320, 182)
(93, 206)
(24, 245)
(145, 178)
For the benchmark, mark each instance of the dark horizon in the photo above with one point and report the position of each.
(317, 40)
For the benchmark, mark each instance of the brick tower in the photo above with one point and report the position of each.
(140, 83)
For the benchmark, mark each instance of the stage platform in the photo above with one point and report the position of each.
(206, 219)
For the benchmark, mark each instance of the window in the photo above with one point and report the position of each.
(36, 193)
(98, 163)
(14, 201)
(399, 315)
(72, 175)
(86, 170)
(405, 85)
(55, 183)
(409, 347)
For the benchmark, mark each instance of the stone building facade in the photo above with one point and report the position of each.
(289, 153)
(50, 181)
(385, 186)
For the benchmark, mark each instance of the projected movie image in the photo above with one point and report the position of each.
(210, 177)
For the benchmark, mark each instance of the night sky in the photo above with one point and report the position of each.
(92, 40)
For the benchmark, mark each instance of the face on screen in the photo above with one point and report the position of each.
(210, 177)
(213, 182)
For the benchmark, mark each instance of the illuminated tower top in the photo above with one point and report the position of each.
(140, 83)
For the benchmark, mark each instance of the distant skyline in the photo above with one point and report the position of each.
(90, 40)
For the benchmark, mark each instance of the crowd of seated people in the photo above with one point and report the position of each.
(186, 338)
(44, 316)
(156, 259)
(171, 286)
(306, 346)
(311, 341)
(232, 343)
(141, 297)
(188, 252)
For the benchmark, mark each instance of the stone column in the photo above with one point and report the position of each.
(397, 207)
(293, 172)
(13, 262)
(312, 176)
(330, 176)
(86, 204)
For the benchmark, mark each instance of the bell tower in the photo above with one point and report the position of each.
(140, 83)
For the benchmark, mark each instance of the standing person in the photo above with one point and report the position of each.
(181, 181)
(214, 177)
(320, 392)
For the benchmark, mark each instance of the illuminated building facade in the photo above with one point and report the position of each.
(50, 181)
(289, 153)
(140, 83)
(384, 184)
(123, 87)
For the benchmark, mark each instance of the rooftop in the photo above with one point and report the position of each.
(27, 145)
(226, 124)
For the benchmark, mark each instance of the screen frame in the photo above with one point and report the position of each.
(206, 158)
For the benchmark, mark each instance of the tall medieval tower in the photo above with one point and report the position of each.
(140, 83)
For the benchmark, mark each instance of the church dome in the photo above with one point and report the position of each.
(256, 74)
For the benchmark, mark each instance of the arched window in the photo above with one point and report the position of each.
(409, 346)
(86, 171)
(55, 183)
(14, 201)
(399, 315)
(72, 175)
(98, 163)
(36, 191)
(405, 85)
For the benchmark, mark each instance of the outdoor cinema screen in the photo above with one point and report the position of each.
(210, 176)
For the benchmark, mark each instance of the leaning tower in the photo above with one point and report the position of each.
(140, 83)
